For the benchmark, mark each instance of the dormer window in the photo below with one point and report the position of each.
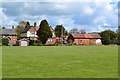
(32, 32)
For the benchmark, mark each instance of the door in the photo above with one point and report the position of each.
(24, 43)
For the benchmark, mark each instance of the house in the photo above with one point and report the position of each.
(85, 39)
(30, 33)
(10, 34)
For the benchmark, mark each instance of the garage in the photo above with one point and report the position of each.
(23, 42)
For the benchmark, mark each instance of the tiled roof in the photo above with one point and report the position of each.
(7, 32)
(92, 35)
(32, 28)
(88, 36)
(51, 29)
(77, 35)
(25, 30)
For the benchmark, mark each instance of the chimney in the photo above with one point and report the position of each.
(35, 24)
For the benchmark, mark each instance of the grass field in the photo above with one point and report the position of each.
(60, 62)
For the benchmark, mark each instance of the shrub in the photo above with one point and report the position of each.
(34, 42)
(5, 41)
(69, 44)
(46, 44)
(74, 43)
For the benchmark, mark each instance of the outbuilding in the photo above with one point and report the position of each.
(23, 42)
(85, 39)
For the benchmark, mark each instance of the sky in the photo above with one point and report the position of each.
(91, 16)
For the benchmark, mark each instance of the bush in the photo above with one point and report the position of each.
(34, 42)
(74, 43)
(5, 41)
(69, 44)
(46, 44)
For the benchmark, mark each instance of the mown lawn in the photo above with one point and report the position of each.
(60, 62)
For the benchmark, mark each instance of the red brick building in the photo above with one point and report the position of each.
(10, 34)
(85, 39)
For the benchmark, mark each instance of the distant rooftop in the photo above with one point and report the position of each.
(7, 32)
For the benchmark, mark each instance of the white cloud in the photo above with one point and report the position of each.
(88, 10)
(5, 20)
(81, 15)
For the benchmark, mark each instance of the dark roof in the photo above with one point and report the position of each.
(88, 36)
(32, 28)
(7, 32)
(25, 30)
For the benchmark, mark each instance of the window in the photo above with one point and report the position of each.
(32, 32)
(80, 41)
(50, 40)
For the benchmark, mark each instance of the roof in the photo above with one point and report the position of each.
(51, 29)
(25, 30)
(32, 28)
(10, 32)
(88, 36)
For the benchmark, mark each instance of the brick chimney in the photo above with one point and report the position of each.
(35, 24)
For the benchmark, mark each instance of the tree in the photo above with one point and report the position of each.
(3, 27)
(118, 30)
(27, 25)
(82, 32)
(22, 23)
(74, 30)
(60, 31)
(5, 41)
(18, 30)
(108, 36)
(12, 27)
(118, 38)
(44, 31)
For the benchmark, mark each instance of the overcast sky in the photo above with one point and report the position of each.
(90, 16)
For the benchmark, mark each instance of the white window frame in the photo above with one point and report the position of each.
(50, 40)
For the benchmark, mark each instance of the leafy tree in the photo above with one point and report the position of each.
(74, 30)
(22, 23)
(5, 41)
(82, 32)
(27, 25)
(60, 31)
(12, 27)
(118, 38)
(108, 36)
(118, 30)
(3, 27)
(18, 30)
(44, 31)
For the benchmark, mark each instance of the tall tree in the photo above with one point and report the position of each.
(12, 27)
(74, 30)
(118, 38)
(108, 36)
(60, 31)
(44, 31)
(18, 30)
(82, 32)
(3, 27)
(27, 25)
(22, 23)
